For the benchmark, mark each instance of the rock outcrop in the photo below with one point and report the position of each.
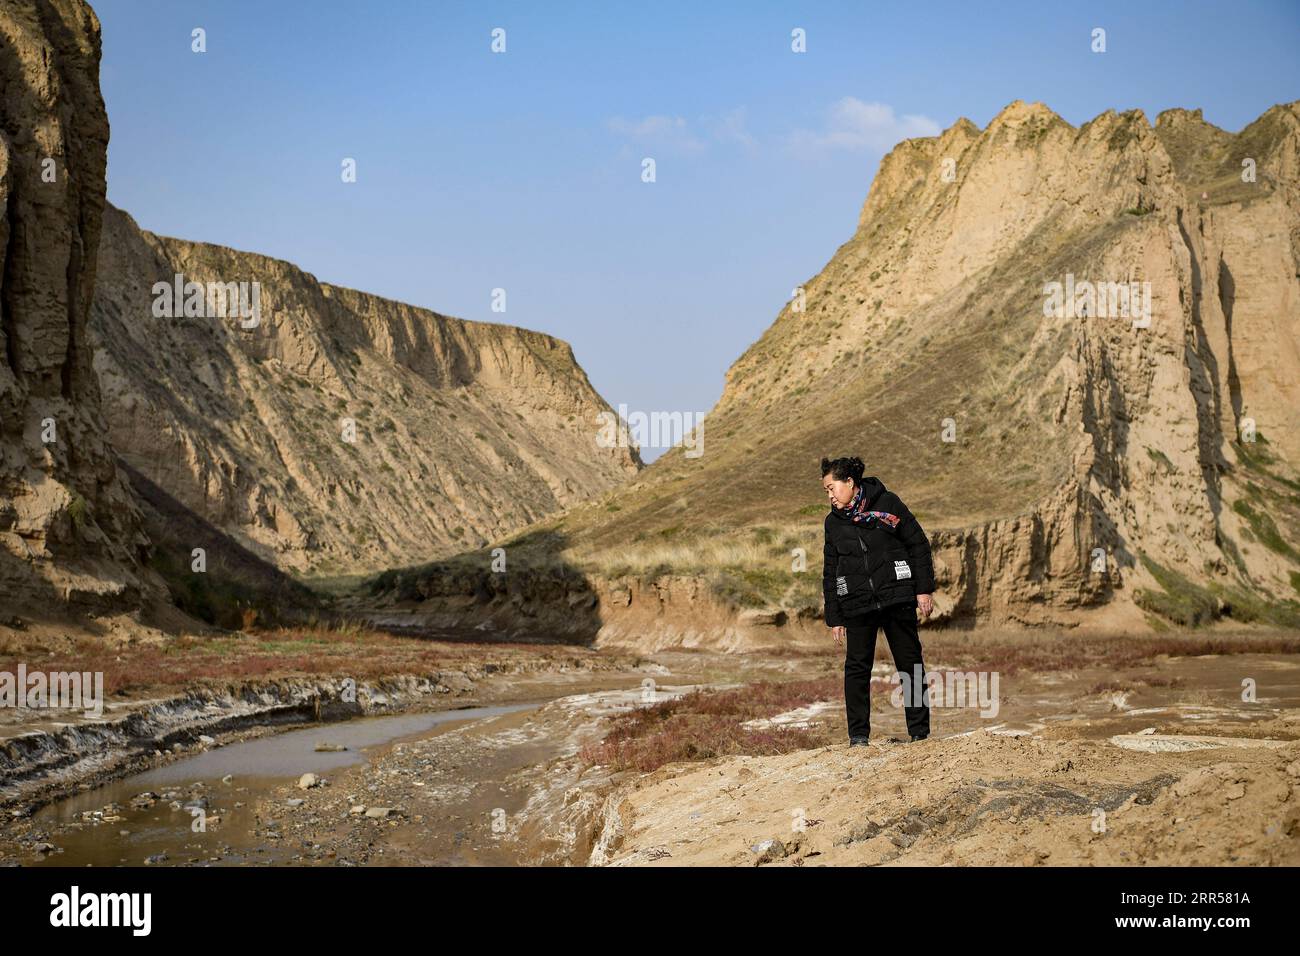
(1161, 482)
(331, 431)
(69, 527)
(1129, 464)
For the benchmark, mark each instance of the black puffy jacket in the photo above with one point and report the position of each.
(868, 565)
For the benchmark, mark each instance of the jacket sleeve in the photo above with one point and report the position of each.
(917, 543)
(829, 597)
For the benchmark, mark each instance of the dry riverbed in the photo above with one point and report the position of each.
(433, 768)
(1093, 752)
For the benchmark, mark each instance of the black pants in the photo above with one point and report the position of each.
(899, 622)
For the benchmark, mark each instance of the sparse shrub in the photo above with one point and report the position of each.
(77, 511)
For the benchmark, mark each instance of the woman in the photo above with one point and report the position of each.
(877, 572)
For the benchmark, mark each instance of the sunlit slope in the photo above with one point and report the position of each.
(1061, 461)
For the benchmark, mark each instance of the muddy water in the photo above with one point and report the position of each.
(103, 827)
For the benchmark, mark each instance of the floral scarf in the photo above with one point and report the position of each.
(857, 515)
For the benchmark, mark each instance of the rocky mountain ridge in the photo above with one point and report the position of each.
(340, 431)
(1132, 464)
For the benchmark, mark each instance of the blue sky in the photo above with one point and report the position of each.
(522, 170)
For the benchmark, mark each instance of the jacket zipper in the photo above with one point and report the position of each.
(866, 565)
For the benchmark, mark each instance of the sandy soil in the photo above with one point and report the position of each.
(982, 799)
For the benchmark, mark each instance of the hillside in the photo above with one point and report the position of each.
(464, 430)
(339, 433)
(1097, 470)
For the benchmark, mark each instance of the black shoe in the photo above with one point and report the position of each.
(859, 741)
(916, 737)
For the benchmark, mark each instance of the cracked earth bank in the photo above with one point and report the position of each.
(980, 798)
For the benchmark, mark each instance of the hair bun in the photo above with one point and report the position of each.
(844, 468)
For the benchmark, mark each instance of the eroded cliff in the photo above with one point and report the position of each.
(328, 430)
(69, 526)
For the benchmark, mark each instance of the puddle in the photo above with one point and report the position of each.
(102, 827)
(293, 752)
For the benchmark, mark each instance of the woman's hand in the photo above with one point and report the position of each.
(925, 605)
(838, 633)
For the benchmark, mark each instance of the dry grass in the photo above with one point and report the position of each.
(747, 567)
(349, 651)
(680, 548)
(761, 546)
(707, 723)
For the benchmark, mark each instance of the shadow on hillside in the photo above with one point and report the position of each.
(519, 592)
(28, 598)
(238, 589)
